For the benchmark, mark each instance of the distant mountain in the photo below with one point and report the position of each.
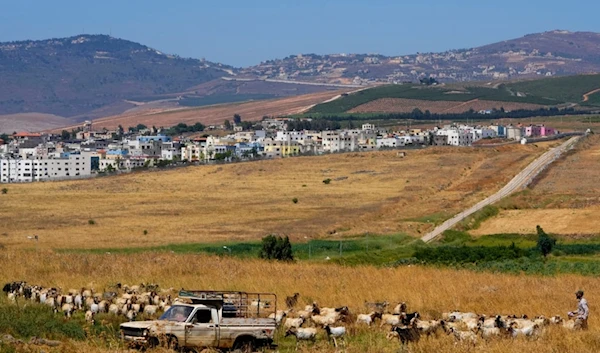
(90, 76)
(77, 75)
(551, 53)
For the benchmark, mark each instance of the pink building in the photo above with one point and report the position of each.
(547, 131)
(533, 131)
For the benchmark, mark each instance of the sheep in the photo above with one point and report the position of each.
(390, 319)
(368, 318)
(528, 331)
(94, 308)
(400, 308)
(302, 334)
(377, 306)
(89, 317)
(335, 332)
(78, 301)
(103, 306)
(568, 324)
(278, 316)
(406, 319)
(458, 316)
(463, 336)
(409, 333)
(131, 314)
(429, 327)
(292, 300)
(322, 320)
(293, 323)
(150, 310)
(114, 309)
(68, 310)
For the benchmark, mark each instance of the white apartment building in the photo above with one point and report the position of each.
(390, 142)
(287, 136)
(28, 170)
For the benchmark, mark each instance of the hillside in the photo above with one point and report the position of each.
(553, 53)
(532, 94)
(149, 114)
(93, 76)
(74, 76)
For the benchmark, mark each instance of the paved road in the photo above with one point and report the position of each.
(519, 181)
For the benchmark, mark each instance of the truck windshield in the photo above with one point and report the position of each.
(177, 313)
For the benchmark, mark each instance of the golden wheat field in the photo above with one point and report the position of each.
(375, 192)
(427, 290)
(565, 197)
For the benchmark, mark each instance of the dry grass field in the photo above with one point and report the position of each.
(564, 199)
(374, 192)
(427, 290)
(214, 114)
(399, 105)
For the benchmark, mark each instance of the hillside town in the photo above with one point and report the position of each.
(28, 157)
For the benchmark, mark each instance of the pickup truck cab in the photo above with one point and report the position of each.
(202, 322)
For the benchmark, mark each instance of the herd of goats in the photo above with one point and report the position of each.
(148, 300)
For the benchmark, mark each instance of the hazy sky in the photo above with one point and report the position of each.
(245, 32)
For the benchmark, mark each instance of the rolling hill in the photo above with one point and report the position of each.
(553, 53)
(548, 92)
(93, 76)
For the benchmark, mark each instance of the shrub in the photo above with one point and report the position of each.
(91, 222)
(545, 243)
(145, 232)
(327, 181)
(276, 248)
(295, 200)
(4, 191)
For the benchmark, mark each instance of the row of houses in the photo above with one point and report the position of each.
(31, 157)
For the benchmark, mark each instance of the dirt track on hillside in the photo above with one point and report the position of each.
(586, 97)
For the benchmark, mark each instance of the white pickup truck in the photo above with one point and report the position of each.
(209, 319)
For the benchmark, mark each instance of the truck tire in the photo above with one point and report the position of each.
(244, 345)
(172, 343)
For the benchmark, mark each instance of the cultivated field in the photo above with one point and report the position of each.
(400, 105)
(565, 198)
(216, 114)
(30, 122)
(427, 290)
(374, 192)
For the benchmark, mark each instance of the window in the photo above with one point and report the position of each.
(203, 316)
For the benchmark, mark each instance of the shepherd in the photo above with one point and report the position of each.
(582, 313)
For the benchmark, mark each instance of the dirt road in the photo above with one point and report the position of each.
(586, 97)
(519, 181)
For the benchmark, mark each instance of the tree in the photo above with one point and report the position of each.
(237, 119)
(140, 127)
(227, 124)
(545, 243)
(276, 248)
(65, 135)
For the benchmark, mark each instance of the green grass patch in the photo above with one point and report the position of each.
(474, 221)
(434, 218)
(564, 89)
(505, 93)
(25, 321)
